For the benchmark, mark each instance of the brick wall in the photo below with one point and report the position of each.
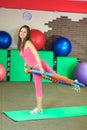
(75, 31)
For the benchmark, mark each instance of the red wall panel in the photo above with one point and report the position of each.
(79, 6)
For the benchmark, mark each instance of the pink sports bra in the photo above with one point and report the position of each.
(28, 57)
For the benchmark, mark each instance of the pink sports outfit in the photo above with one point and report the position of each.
(29, 58)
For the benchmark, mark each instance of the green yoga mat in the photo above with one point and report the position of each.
(50, 113)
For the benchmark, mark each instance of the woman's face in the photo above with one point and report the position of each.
(23, 33)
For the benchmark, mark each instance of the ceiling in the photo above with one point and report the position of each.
(76, 6)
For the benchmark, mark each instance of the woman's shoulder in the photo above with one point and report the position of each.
(28, 43)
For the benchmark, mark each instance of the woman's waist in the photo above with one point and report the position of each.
(34, 66)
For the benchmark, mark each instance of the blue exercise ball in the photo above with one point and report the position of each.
(61, 46)
(5, 40)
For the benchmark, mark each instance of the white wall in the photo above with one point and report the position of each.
(12, 19)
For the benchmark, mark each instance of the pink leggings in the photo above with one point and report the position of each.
(38, 78)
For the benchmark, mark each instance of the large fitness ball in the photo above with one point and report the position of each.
(38, 38)
(5, 40)
(61, 46)
(2, 72)
(81, 72)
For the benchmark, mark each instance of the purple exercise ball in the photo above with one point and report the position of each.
(81, 72)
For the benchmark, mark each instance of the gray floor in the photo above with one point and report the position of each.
(19, 96)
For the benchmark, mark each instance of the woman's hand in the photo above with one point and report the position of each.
(25, 69)
(42, 71)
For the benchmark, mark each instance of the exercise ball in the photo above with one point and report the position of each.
(2, 72)
(61, 46)
(81, 72)
(37, 38)
(5, 40)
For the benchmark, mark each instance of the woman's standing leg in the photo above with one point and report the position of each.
(38, 89)
(38, 84)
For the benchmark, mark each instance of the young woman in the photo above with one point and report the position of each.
(32, 59)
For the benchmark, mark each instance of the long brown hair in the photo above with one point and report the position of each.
(21, 44)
